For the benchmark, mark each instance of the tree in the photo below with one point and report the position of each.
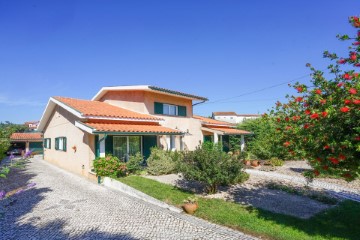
(322, 123)
(6, 129)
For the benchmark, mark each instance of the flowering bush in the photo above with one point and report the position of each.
(322, 124)
(109, 166)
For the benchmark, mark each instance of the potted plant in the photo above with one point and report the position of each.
(255, 163)
(190, 205)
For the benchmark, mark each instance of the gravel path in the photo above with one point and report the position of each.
(65, 206)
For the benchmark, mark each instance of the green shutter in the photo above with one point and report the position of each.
(97, 146)
(56, 143)
(109, 145)
(158, 108)
(182, 111)
(49, 139)
(148, 143)
(64, 142)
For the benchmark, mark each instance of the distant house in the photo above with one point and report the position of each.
(28, 141)
(124, 120)
(32, 125)
(233, 117)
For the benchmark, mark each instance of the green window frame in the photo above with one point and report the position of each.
(47, 143)
(169, 109)
(60, 144)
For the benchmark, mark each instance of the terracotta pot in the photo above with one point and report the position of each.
(254, 163)
(247, 162)
(190, 208)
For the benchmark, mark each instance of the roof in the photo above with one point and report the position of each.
(26, 136)
(230, 131)
(148, 88)
(89, 108)
(224, 114)
(210, 121)
(127, 128)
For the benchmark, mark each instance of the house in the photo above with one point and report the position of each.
(32, 125)
(233, 117)
(123, 120)
(27, 141)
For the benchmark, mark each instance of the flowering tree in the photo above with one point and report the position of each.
(322, 123)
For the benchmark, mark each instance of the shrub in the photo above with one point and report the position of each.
(162, 162)
(211, 166)
(109, 166)
(134, 165)
(276, 162)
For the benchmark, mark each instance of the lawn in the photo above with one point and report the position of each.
(340, 222)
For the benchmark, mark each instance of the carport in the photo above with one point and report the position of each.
(32, 141)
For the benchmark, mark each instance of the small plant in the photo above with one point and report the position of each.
(191, 199)
(276, 162)
(162, 162)
(28, 154)
(109, 166)
(134, 165)
(4, 172)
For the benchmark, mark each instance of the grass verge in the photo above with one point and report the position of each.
(340, 222)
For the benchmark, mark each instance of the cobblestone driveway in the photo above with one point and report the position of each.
(63, 206)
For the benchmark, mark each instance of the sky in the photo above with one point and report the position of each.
(238, 54)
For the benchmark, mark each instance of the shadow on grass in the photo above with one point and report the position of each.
(15, 213)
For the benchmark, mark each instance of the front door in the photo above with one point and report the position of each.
(125, 146)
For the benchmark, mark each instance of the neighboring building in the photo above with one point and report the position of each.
(123, 121)
(27, 142)
(32, 126)
(233, 117)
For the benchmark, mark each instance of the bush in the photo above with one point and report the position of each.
(134, 165)
(109, 166)
(162, 162)
(276, 162)
(211, 166)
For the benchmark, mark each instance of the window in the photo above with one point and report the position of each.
(169, 109)
(170, 141)
(47, 143)
(60, 144)
(126, 146)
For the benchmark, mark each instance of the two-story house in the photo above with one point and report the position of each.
(122, 121)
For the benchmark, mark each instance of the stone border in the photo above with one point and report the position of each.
(119, 186)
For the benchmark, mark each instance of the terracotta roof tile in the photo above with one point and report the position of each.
(224, 113)
(230, 131)
(26, 136)
(131, 128)
(101, 109)
(211, 121)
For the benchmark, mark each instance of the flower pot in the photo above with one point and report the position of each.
(255, 163)
(190, 208)
(247, 162)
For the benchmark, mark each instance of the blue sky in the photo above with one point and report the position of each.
(216, 49)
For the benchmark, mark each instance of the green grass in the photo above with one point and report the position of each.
(340, 222)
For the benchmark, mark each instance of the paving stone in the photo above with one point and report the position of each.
(66, 206)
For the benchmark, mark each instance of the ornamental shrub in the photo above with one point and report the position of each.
(276, 162)
(135, 163)
(162, 162)
(322, 122)
(211, 166)
(109, 166)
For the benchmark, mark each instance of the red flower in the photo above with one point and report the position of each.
(298, 99)
(287, 119)
(356, 43)
(326, 147)
(314, 116)
(347, 76)
(342, 157)
(352, 91)
(306, 126)
(323, 101)
(287, 127)
(355, 75)
(340, 84)
(341, 61)
(286, 144)
(356, 101)
(326, 167)
(307, 111)
(334, 160)
(316, 172)
(357, 138)
(347, 175)
(357, 64)
(344, 109)
(317, 91)
(347, 101)
(318, 159)
(353, 56)
(278, 120)
(300, 89)
(324, 114)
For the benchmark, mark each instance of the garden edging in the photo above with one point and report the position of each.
(116, 185)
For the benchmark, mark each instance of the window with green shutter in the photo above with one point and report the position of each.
(169, 109)
(47, 143)
(60, 144)
(182, 111)
(158, 108)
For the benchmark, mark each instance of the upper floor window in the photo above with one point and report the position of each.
(60, 144)
(47, 143)
(169, 109)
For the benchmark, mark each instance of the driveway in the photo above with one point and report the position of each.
(62, 206)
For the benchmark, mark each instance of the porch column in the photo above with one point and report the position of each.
(102, 145)
(216, 138)
(242, 143)
(27, 146)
